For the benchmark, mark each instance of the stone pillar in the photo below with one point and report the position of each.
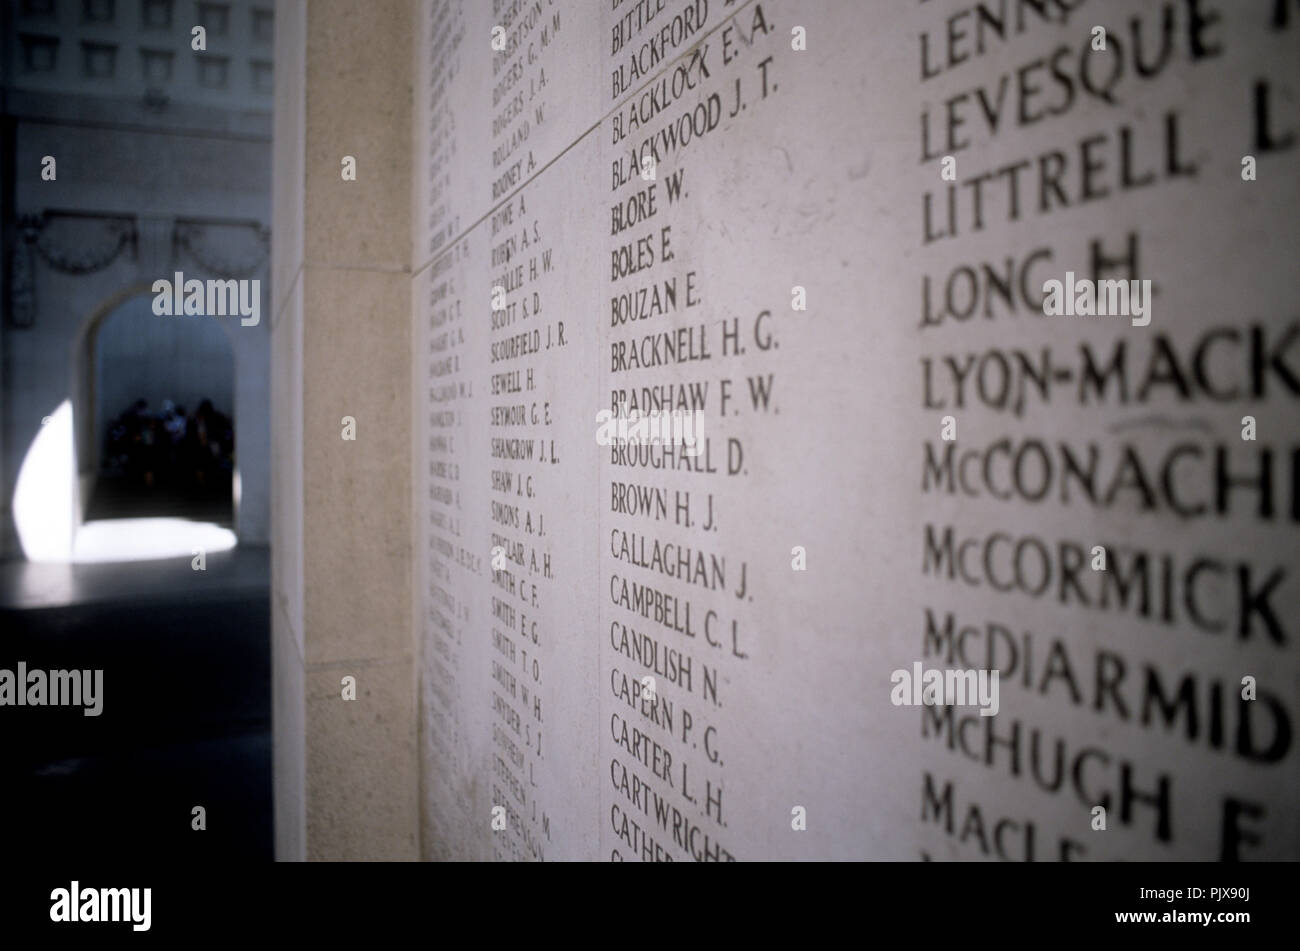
(345, 770)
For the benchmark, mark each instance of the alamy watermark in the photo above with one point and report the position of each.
(941, 688)
(195, 298)
(675, 427)
(58, 688)
(1087, 298)
(76, 904)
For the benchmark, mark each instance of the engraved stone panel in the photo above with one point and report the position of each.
(815, 241)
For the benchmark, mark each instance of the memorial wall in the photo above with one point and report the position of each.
(818, 239)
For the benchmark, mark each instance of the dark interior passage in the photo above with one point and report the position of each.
(163, 428)
(185, 719)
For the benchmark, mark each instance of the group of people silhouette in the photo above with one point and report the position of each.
(171, 448)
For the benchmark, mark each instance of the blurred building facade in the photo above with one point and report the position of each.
(126, 156)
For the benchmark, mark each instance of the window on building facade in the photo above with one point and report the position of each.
(215, 18)
(156, 14)
(263, 76)
(39, 53)
(263, 25)
(97, 11)
(156, 65)
(213, 71)
(37, 8)
(98, 60)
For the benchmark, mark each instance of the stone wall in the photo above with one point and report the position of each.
(345, 772)
(824, 232)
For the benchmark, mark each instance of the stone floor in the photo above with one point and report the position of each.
(186, 709)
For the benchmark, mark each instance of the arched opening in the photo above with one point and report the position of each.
(139, 462)
(161, 417)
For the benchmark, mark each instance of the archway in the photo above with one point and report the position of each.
(84, 495)
(159, 414)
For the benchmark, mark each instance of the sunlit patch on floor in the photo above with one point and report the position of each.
(44, 516)
(144, 539)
